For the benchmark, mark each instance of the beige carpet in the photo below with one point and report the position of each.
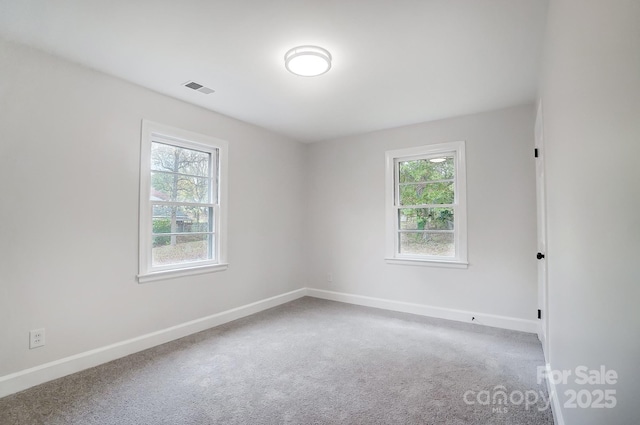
(307, 362)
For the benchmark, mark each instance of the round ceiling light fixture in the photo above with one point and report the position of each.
(307, 61)
(438, 160)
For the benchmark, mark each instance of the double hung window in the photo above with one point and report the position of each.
(426, 205)
(182, 202)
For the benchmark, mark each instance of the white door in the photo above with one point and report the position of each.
(543, 331)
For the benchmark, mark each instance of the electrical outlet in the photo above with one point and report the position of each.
(329, 277)
(36, 338)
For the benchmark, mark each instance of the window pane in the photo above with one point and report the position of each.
(179, 188)
(172, 219)
(422, 170)
(426, 193)
(425, 218)
(179, 160)
(427, 243)
(179, 249)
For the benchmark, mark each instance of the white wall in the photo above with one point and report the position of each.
(591, 100)
(345, 217)
(70, 150)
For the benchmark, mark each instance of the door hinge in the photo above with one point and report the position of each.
(539, 314)
(535, 152)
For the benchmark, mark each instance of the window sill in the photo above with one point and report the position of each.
(428, 263)
(170, 274)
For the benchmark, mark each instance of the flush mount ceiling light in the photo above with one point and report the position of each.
(438, 159)
(307, 61)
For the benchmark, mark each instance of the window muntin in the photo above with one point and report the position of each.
(426, 204)
(424, 184)
(181, 210)
(182, 204)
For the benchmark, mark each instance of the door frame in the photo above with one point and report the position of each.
(541, 215)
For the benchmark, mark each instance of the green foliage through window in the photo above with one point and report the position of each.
(425, 182)
(161, 226)
(422, 170)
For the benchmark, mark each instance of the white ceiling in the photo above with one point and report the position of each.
(396, 62)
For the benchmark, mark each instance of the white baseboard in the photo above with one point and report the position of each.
(555, 401)
(492, 320)
(27, 378)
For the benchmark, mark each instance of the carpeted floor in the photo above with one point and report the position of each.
(310, 361)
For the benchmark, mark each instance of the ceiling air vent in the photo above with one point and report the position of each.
(198, 87)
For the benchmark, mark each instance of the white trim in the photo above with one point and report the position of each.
(432, 263)
(27, 378)
(491, 320)
(457, 149)
(170, 274)
(553, 395)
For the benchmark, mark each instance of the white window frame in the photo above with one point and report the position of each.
(152, 131)
(392, 158)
